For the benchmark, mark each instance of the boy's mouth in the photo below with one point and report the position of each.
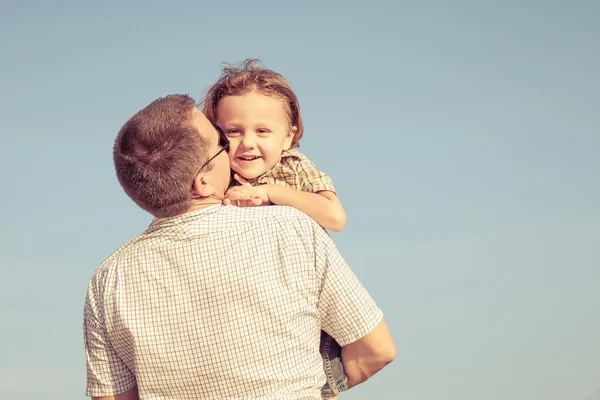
(248, 158)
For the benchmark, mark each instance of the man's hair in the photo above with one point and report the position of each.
(157, 155)
(251, 76)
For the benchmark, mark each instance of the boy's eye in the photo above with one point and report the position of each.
(232, 132)
(262, 131)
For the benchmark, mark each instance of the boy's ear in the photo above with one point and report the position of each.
(289, 138)
(201, 188)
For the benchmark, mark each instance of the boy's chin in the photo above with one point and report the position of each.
(248, 175)
(245, 176)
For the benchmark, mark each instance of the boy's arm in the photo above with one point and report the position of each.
(310, 191)
(324, 206)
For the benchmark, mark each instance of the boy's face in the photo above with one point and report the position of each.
(258, 132)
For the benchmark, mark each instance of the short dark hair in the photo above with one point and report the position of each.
(157, 154)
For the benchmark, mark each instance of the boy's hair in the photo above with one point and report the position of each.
(249, 77)
(157, 154)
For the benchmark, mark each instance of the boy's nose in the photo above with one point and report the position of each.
(248, 142)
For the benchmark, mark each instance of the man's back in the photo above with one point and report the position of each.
(224, 302)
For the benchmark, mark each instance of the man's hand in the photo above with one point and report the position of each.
(246, 195)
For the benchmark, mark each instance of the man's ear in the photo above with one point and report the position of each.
(289, 138)
(201, 188)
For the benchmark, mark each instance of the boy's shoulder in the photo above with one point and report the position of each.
(294, 156)
(295, 160)
(297, 171)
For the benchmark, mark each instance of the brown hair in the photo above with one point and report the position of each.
(157, 154)
(251, 76)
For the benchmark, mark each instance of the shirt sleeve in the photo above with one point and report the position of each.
(107, 374)
(347, 311)
(311, 179)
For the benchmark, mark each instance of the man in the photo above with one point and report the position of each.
(214, 301)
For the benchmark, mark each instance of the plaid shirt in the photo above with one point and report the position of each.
(222, 303)
(296, 171)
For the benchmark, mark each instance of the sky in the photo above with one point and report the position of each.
(463, 139)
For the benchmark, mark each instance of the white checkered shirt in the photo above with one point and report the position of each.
(222, 303)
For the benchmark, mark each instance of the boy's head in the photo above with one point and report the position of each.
(259, 112)
(159, 153)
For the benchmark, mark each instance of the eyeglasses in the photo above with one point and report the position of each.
(223, 142)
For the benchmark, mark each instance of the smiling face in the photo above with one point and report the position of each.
(258, 130)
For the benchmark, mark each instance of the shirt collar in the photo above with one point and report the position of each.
(159, 223)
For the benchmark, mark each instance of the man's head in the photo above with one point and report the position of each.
(160, 156)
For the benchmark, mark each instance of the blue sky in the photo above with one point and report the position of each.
(463, 139)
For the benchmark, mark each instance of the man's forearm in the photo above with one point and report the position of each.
(359, 370)
(365, 357)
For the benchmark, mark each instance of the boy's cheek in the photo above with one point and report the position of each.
(231, 155)
(233, 147)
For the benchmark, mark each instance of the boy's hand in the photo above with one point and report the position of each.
(246, 195)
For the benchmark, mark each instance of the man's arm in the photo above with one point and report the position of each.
(131, 394)
(349, 314)
(365, 357)
(107, 373)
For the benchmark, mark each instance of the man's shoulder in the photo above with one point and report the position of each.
(270, 212)
(108, 266)
(279, 217)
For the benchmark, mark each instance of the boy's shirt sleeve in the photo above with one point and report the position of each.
(308, 177)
